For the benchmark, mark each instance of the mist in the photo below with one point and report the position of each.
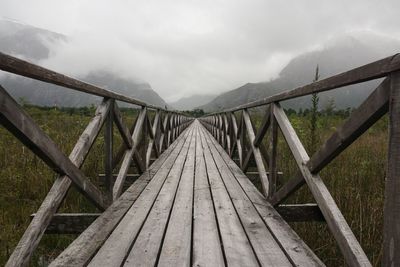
(184, 48)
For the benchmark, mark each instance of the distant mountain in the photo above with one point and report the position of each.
(32, 44)
(191, 102)
(339, 55)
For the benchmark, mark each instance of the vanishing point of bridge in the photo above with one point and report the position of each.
(177, 193)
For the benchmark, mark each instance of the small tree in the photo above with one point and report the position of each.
(314, 116)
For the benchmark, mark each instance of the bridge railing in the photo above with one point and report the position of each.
(145, 139)
(235, 131)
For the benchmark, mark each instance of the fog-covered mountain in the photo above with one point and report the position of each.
(339, 55)
(191, 102)
(33, 44)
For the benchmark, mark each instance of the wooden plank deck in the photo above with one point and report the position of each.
(198, 209)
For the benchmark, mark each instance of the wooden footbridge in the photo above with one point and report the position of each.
(190, 203)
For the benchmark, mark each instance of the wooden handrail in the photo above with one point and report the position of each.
(383, 99)
(371, 71)
(168, 124)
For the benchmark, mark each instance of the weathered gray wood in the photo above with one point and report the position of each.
(17, 66)
(82, 249)
(148, 242)
(227, 134)
(152, 141)
(237, 139)
(256, 153)
(176, 247)
(238, 251)
(164, 134)
(347, 242)
(129, 153)
(370, 111)
(391, 230)
(264, 245)
(263, 128)
(121, 150)
(247, 160)
(33, 234)
(124, 131)
(118, 244)
(300, 212)
(22, 126)
(299, 253)
(274, 147)
(374, 70)
(70, 223)
(291, 186)
(207, 249)
(108, 151)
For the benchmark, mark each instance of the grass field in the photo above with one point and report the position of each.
(355, 179)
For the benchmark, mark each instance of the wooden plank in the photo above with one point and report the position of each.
(17, 66)
(82, 249)
(34, 232)
(374, 70)
(347, 242)
(22, 126)
(274, 148)
(108, 151)
(207, 249)
(370, 111)
(116, 247)
(300, 212)
(256, 153)
(237, 249)
(176, 245)
(148, 242)
(267, 250)
(391, 231)
(70, 223)
(299, 253)
(129, 153)
(123, 130)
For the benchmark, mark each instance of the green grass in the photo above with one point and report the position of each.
(25, 179)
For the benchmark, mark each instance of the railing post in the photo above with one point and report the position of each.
(391, 228)
(273, 145)
(108, 150)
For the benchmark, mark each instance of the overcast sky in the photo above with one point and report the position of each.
(196, 47)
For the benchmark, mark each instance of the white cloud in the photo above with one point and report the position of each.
(185, 47)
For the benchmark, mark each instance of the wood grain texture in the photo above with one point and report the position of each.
(266, 248)
(391, 230)
(347, 242)
(256, 153)
(129, 153)
(299, 253)
(22, 126)
(82, 249)
(370, 111)
(34, 232)
(118, 244)
(207, 249)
